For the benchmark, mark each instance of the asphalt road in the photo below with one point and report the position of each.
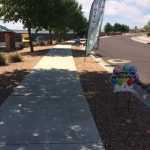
(122, 47)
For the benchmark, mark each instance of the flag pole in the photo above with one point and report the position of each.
(85, 56)
(95, 24)
(85, 53)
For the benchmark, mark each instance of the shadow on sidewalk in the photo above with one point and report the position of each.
(36, 53)
(8, 81)
(44, 52)
(120, 128)
(55, 101)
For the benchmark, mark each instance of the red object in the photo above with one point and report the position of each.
(130, 82)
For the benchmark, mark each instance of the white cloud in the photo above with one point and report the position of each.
(143, 3)
(12, 25)
(86, 4)
(121, 9)
(146, 18)
(128, 10)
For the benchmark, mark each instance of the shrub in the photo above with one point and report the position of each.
(2, 59)
(14, 58)
(148, 34)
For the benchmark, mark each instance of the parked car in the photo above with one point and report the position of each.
(77, 41)
(40, 40)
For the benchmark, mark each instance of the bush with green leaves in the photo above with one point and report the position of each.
(3, 61)
(148, 34)
(14, 58)
(147, 28)
(116, 28)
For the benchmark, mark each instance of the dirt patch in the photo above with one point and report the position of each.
(122, 120)
(12, 74)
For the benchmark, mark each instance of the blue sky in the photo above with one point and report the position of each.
(131, 12)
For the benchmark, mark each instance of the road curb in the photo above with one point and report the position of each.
(103, 63)
(140, 40)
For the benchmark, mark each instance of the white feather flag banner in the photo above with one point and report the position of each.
(95, 24)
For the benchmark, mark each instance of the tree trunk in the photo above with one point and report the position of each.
(50, 37)
(30, 40)
(59, 37)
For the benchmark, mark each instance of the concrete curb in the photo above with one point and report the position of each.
(141, 39)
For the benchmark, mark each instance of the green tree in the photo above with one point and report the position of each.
(71, 17)
(116, 28)
(29, 12)
(79, 24)
(147, 28)
(108, 28)
(53, 15)
(120, 28)
(125, 28)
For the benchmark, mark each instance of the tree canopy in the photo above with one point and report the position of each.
(53, 15)
(108, 28)
(147, 28)
(116, 28)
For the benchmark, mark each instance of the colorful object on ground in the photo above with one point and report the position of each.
(95, 23)
(124, 78)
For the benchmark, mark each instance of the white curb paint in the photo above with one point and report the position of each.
(118, 61)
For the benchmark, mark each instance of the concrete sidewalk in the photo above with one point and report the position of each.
(141, 39)
(48, 110)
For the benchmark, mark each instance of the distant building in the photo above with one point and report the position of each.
(7, 38)
(17, 39)
(37, 37)
(12, 39)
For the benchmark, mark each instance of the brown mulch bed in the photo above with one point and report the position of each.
(12, 74)
(122, 120)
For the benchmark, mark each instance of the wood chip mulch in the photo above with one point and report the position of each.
(122, 120)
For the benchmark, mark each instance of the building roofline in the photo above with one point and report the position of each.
(5, 29)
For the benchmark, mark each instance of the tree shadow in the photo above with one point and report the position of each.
(53, 52)
(120, 128)
(8, 81)
(36, 53)
(55, 101)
